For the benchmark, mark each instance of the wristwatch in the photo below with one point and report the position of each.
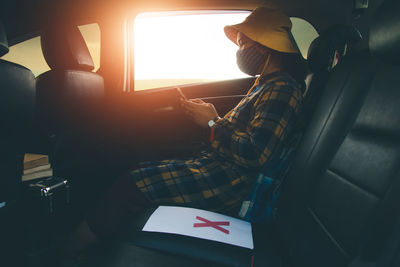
(211, 123)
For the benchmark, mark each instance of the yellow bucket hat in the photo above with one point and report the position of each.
(266, 26)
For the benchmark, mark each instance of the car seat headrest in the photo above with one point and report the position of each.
(64, 48)
(326, 51)
(3, 41)
(384, 36)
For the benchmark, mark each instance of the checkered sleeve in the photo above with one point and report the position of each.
(275, 111)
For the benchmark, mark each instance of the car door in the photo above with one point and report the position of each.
(152, 125)
(188, 50)
(151, 122)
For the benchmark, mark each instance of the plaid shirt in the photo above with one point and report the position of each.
(244, 140)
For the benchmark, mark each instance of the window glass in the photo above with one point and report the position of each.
(175, 48)
(91, 34)
(303, 33)
(182, 48)
(29, 53)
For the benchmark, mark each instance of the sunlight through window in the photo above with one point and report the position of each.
(176, 48)
(182, 48)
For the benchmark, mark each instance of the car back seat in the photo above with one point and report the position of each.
(17, 106)
(339, 198)
(267, 243)
(324, 54)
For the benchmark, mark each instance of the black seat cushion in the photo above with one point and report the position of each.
(126, 254)
(267, 251)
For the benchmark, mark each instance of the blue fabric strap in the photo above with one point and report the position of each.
(259, 204)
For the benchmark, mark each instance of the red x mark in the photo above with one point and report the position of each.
(208, 223)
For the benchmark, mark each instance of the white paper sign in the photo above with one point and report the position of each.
(201, 224)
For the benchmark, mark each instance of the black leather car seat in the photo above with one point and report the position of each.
(17, 107)
(17, 102)
(340, 198)
(70, 94)
(324, 55)
(70, 99)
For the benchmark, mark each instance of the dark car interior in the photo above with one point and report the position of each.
(339, 202)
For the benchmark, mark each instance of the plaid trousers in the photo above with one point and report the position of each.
(244, 139)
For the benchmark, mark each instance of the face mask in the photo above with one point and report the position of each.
(250, 60)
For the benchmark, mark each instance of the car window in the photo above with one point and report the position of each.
(29, 53)
(183, 48)
(176, 48)
(303, 33)
(91, 34)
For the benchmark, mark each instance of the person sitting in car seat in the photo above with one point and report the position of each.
(241, 142)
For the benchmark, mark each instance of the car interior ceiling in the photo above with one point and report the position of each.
(339, 201)
(23, 18)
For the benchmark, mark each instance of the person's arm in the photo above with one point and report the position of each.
(252, 147)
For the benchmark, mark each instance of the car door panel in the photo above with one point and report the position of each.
(152, 124)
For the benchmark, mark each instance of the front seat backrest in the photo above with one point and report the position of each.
(17, 107)
(70, 94)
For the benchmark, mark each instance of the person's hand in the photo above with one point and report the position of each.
(200, 111)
